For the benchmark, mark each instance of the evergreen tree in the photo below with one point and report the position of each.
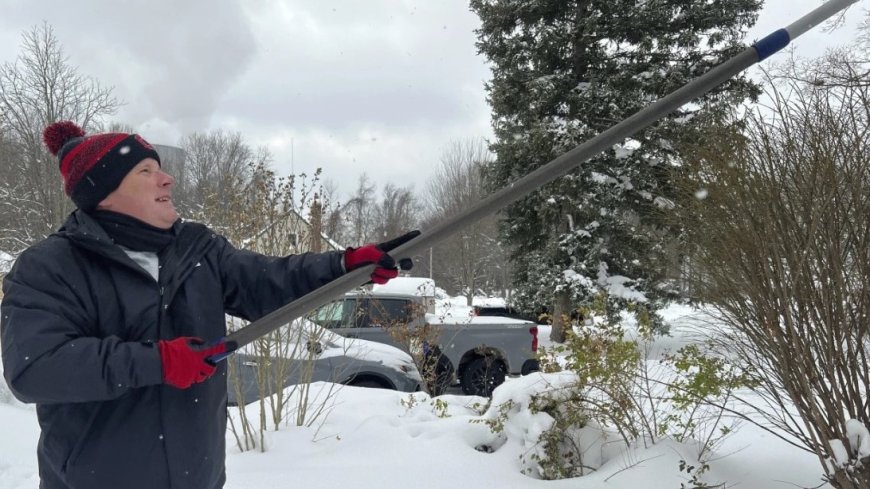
(566, 70)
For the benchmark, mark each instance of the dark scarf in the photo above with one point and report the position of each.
(131, 233)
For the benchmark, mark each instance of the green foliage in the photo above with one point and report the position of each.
(601, 356)
(681, 397)
(559, 454)
(440, 407)
(496, 423)
(701, 384)
(548, 358)
(410, 402)
(563, 72)
(481, 407)
(696, 472)
(702, 377)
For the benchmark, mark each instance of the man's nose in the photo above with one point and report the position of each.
(168, 180)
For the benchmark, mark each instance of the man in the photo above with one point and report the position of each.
(102, 322)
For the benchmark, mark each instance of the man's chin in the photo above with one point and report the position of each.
(168, 219)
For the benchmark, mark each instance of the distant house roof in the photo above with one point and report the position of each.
(294, 213)
(331, 242)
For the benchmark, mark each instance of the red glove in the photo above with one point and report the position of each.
(183, 365)
(377, 253)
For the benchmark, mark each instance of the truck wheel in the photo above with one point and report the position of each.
(482, 376)
(437, 372)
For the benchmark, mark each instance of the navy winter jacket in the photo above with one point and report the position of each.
(79, 324)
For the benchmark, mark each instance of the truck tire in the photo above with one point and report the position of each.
(437, 372)
(482, 376)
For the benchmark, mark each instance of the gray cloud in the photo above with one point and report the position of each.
(170, 61)
(380, 86)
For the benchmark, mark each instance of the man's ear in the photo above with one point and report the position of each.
(105, 204)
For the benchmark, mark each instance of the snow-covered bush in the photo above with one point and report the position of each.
(601, 386)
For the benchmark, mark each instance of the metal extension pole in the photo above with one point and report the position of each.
(543, 175)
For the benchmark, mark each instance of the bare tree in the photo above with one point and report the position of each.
(781, 220)
(217, 165)
(333, 212)
(359, 210)
(40, 88)
(474, 258)
(371, 214)
(397, 213)
(115, 126)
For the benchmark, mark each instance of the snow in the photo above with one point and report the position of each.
(419, 286)
(841, 454)
(848, 454)
(6, 261)
(621, 152)
(375, 438)
(663, 203)
(601, 178)
(685, 119)
(579, 280)
(471, 320)
(616, 285)
(859, 438)
(488, 301)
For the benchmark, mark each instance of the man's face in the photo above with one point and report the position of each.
(146, 194)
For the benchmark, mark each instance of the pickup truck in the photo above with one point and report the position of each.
(477, 351)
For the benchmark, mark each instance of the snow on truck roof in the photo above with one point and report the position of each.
(419, 286)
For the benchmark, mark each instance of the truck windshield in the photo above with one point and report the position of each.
(364, 313)
(330, 315)
(389, 312)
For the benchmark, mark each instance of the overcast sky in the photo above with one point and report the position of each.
(380, 86)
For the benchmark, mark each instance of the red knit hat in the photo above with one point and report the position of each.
(93, 166)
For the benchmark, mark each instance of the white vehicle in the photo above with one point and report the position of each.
(331, 358)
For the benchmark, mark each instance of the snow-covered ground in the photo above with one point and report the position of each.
(372, 438)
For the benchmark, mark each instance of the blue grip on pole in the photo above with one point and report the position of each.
(772, 43)
(214, 359)
(217, 357)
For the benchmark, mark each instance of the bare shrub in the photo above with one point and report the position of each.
(779, 215)
(267, 215)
